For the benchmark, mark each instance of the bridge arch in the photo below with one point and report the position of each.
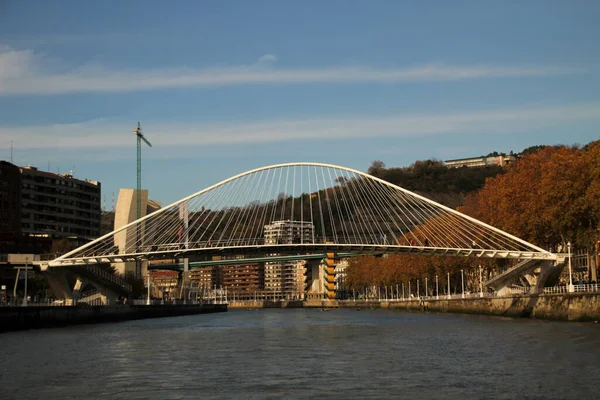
(342, 210)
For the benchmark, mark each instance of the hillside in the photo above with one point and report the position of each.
(432, 179)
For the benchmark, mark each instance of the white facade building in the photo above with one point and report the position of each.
(340, 275)
(480, 161)
(286, 277)
(126, 212)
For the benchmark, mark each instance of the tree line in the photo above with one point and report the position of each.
(550, 197)
(432, 179)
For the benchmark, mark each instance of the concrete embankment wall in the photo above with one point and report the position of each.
(266, 304)
(565, 307)
(19, 318)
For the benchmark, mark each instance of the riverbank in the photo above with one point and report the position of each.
(564, 307)
(560, 307)
(251, 304)
(20, 318)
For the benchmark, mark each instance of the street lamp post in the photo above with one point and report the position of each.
(148, 299)
(571, 287)
(449, 295)
(26, 267)
(462, 278)
(480, 282)
(426, 293)
(418, 294)
(437, 288)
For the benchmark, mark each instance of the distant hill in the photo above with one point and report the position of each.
(432, 179)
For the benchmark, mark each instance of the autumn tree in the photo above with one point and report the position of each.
(395, 269)
(377, 168)
(549, 197)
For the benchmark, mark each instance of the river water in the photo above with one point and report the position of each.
(305, 353)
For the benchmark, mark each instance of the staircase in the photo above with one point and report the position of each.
(501, 280)
(96, 273)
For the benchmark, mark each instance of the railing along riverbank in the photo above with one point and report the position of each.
(580, 288)
(517, 291)
(583, 304)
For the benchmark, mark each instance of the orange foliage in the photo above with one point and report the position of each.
(370, 271)
(548, 197)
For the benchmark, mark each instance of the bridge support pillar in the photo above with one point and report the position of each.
(503, 291)
(57, 280)
(536, 276)
(185, 278)
(80, 283)
(311, 278)
(330, 275)
(531, 278)
(108, 296)
(548, 271)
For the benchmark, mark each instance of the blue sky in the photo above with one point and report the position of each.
(221, 87)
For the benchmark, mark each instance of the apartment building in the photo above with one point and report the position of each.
(59, 205)
(207, 277)
(38, 207)
(286, 277)
(242, 277)
(10, 198)
(480, 161)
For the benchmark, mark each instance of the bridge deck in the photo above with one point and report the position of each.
(303, 250)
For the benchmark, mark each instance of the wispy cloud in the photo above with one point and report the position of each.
(99, 135)
(267, 59)
(28, 41)
(24, 72)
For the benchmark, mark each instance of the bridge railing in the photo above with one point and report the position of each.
(339, 240)
(48, 256)
(262, 241)
(517, 291)
(109, 276)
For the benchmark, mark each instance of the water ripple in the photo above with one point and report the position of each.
(273, 354)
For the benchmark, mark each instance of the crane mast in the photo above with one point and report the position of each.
(140, 137)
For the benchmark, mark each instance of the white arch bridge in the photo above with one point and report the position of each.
(298, 209)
